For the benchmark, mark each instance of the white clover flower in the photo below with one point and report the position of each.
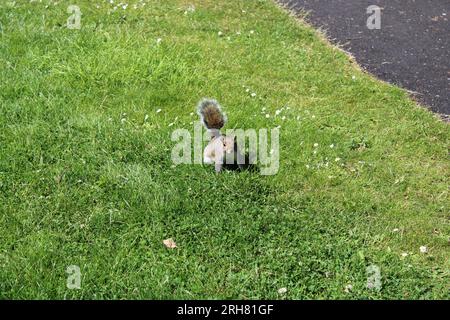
(189, 9)
(253, 94)
(220, 33)
(283, 118)
(158, 41)
(332, 145)
(337, 159)
(277, 112)
(348, 288)
(404, 254)
(316, 145)
(282, 290)
(267, 115)
(396, 230)
(423, 249)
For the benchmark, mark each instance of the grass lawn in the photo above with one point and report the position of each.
(86, 176)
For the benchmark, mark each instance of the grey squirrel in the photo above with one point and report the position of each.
(220, 145)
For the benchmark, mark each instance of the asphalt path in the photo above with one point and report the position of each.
(410, 49)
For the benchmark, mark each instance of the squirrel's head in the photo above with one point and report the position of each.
(228, 144)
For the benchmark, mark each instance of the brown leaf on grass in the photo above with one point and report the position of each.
(169, 243)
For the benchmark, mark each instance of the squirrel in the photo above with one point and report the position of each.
(213, 119)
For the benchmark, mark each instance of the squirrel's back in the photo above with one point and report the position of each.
(211, 114)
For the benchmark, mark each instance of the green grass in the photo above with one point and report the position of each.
(85, 180)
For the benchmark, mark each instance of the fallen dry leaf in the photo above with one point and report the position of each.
(169, 243)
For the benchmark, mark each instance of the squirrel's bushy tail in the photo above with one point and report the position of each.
(211, 114)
